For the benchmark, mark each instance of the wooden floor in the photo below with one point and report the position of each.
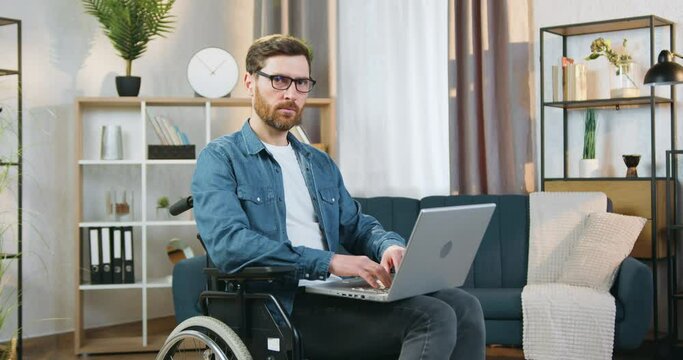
(60, 347)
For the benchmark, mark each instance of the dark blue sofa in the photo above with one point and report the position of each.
(496, 277)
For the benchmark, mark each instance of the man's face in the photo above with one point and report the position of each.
(280, 109)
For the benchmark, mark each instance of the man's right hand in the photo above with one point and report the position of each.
(350, 265)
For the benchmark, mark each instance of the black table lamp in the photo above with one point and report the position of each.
(665, 71)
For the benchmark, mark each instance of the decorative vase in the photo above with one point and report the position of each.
(111, 143)
(624, 80)
(588, 168)
(631, 162)
(128, 85)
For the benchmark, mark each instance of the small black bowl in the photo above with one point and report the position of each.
(631, 160)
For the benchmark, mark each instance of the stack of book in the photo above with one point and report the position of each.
(174, 143)
(167, 133)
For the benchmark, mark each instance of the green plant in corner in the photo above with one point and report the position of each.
(131, 24)
(7, 351)
(7, 305)
(589, 135)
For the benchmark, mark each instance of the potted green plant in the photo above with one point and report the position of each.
(588, 166)
(162, 208)
(130, 25)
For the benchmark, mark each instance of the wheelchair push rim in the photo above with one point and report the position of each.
(203, 338)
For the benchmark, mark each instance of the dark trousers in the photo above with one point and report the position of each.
(448, 324)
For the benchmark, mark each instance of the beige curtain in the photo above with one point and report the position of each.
(491, 97)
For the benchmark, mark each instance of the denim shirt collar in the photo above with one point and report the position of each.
(254, 145)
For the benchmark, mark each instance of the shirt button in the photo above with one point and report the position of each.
(277, 170)
(314, 198)
(258, 199)
(279, 198)
(308, 275)
(332, 199)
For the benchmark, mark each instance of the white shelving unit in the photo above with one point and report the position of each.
(146, 179)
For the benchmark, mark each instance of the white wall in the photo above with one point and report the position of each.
(66, 55)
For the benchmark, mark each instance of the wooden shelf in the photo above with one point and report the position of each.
(88, 287)
(182, 101)
(172, 223)
(616, 103)
(102, 110)
(640, 22)
(108, 223)
(109, 162)
(138, 162)
(172, 162)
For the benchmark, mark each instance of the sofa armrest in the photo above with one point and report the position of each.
(188, 283)
(632, 289)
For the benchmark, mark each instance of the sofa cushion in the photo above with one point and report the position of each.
(394, 213)
(501, 303)
(501, 261)
(606, 241)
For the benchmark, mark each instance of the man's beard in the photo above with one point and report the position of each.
(275, 119)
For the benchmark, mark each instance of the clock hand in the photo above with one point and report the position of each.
(205, 64)
(217, 66)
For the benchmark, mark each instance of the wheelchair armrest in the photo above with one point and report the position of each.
(251, 273)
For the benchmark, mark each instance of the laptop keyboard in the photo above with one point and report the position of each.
(371, 290)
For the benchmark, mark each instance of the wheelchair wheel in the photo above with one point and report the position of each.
(203, 338)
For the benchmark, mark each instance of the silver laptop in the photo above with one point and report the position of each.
(439, 255)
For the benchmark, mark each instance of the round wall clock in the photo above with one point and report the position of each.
(212, 72)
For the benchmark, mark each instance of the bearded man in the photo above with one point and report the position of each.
(262, 198)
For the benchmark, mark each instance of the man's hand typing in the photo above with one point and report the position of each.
(392, 257)
(349, 265)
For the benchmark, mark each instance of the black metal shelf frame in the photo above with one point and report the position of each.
(649, 22)
(675, 294)
(19, 165)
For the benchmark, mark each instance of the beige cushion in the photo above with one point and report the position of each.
(606, 241)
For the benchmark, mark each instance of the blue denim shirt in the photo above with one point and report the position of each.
(239, 207)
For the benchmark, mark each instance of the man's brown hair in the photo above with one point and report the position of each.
(273, 45)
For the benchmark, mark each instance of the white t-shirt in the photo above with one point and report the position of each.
(302, 227)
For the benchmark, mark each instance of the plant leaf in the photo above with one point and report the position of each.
(131, 24)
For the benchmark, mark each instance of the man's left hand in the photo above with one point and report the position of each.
(392, 257)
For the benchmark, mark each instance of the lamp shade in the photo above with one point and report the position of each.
(665, 71)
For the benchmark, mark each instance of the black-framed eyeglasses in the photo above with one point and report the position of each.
(281, 82)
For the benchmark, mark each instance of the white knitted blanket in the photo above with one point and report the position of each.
(563, 321)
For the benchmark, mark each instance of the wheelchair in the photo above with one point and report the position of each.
(236, 324)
